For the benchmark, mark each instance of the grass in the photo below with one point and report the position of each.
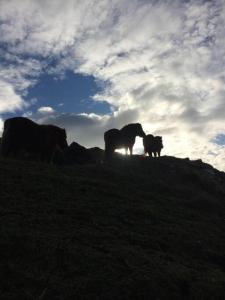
(135, 228)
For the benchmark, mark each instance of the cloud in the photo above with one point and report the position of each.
(160, 63)
(16, 76)
(45, 110)
(10, 101)
(87, 129)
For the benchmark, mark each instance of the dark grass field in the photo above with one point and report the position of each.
(135, 228)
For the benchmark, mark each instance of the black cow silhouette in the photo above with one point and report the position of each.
(152, 145)
(21, 134)
(123, 138)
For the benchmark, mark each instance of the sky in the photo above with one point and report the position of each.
(92, 65)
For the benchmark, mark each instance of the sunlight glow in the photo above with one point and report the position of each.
(137, 149)
(121, 151)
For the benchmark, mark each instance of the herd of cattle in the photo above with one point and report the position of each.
(21, 135)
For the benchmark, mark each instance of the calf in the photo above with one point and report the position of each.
(152, 145)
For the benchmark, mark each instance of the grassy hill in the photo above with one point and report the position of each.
(135, 228)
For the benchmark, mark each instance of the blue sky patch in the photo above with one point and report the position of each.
(219, 139)
(73, 93)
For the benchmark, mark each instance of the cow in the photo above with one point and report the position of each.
(23, 135)
(123, 138)
(152, 145)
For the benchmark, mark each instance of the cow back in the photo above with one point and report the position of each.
(19, 134)
(23, 134)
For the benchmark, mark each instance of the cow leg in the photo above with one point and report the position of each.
(131, 150)
(109, 151)
(145, 152)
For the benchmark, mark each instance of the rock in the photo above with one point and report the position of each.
(77, 154)
(96, 154)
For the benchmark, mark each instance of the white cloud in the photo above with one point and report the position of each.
(162, 63)
(87, 129)
(45, 110)
(16, 76)
(27, 114)
(9, 100)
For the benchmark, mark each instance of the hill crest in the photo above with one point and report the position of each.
(135, 228)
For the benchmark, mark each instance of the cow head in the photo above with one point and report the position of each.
(159, 141)
(139, 130)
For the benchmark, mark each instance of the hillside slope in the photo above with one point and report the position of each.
(135, 228)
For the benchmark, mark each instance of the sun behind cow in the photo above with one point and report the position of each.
(123, 138)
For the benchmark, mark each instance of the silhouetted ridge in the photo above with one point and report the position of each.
(132, 228)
